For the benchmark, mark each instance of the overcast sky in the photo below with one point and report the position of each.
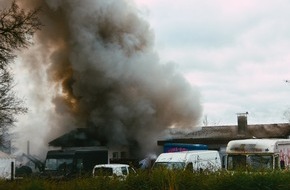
(236, 52)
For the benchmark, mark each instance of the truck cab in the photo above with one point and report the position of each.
(258, 154)
(73, 161)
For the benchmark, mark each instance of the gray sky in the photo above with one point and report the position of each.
(236, 52)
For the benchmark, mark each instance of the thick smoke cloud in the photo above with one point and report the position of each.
(102, 72)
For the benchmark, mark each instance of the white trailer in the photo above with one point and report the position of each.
(199, 160)
(258, 154)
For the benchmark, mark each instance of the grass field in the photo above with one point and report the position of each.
(163, 180)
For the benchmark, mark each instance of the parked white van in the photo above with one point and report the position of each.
(202, 160)
(111, 170)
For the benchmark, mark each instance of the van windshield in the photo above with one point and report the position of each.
(170, 165)
(250, 162)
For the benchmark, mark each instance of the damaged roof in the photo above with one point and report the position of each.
(223, 134)
(79, 137)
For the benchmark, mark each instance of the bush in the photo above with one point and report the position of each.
(162, 179)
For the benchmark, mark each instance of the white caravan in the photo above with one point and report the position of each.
(199, 160)
(258, 154)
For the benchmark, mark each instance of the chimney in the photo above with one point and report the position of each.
(242, 123)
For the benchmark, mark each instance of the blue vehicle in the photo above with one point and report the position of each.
(178, 147)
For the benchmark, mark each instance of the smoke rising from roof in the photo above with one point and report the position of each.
(101, 69)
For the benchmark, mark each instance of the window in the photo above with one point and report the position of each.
(115, 155)
(123, 154)
(170, 165)
(189, 167)
(250, 162)
(260, 162)
(236, 162)
(124, 170)
(58, 164)
(103, 171)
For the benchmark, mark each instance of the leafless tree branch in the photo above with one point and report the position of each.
(17, 27)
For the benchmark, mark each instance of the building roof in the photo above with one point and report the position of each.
(223, 134)
(77, 138)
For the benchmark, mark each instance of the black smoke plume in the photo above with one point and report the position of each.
(98, 61)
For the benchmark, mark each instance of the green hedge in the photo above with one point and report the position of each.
(162, 180)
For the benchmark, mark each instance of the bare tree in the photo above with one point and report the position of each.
(17, 27)
(16, 30)
(10, 104)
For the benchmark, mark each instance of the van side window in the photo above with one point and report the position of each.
(189, 167)
(124, 171)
